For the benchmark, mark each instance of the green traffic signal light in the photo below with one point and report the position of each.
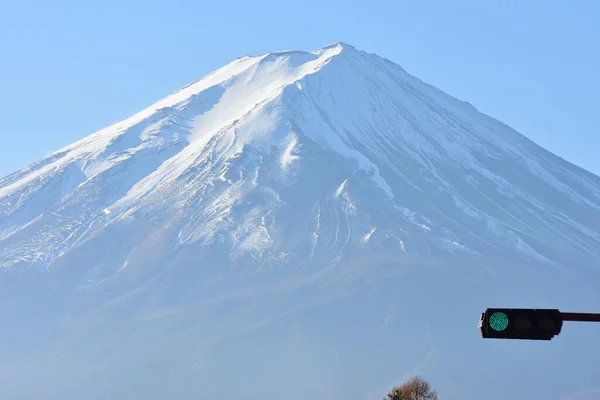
(498, 321)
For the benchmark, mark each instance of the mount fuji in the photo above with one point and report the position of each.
(298, 225)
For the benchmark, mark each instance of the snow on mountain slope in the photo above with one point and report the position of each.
(261, 125)
(280, 195)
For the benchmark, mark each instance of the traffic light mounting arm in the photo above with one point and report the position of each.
(581, 317)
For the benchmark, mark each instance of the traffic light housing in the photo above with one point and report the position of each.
(520, 323)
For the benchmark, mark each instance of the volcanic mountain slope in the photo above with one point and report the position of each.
(225, 159)
(277, 184)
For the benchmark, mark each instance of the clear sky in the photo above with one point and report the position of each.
(69, 68)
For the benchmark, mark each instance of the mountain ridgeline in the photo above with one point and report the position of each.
(316, 221)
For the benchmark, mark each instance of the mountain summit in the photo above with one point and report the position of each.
(272, 185)
(259, 154)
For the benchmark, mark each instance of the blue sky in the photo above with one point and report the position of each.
(70, 68)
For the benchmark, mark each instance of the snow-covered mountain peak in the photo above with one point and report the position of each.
(297, 208)
(339, 48)
(265, 127)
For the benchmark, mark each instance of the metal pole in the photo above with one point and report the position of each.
(583, 317)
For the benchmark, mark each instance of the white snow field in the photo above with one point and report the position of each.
(297, 225)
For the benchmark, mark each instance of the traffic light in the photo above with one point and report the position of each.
(520, 323)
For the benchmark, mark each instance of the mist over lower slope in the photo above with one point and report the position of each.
(319, 222)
